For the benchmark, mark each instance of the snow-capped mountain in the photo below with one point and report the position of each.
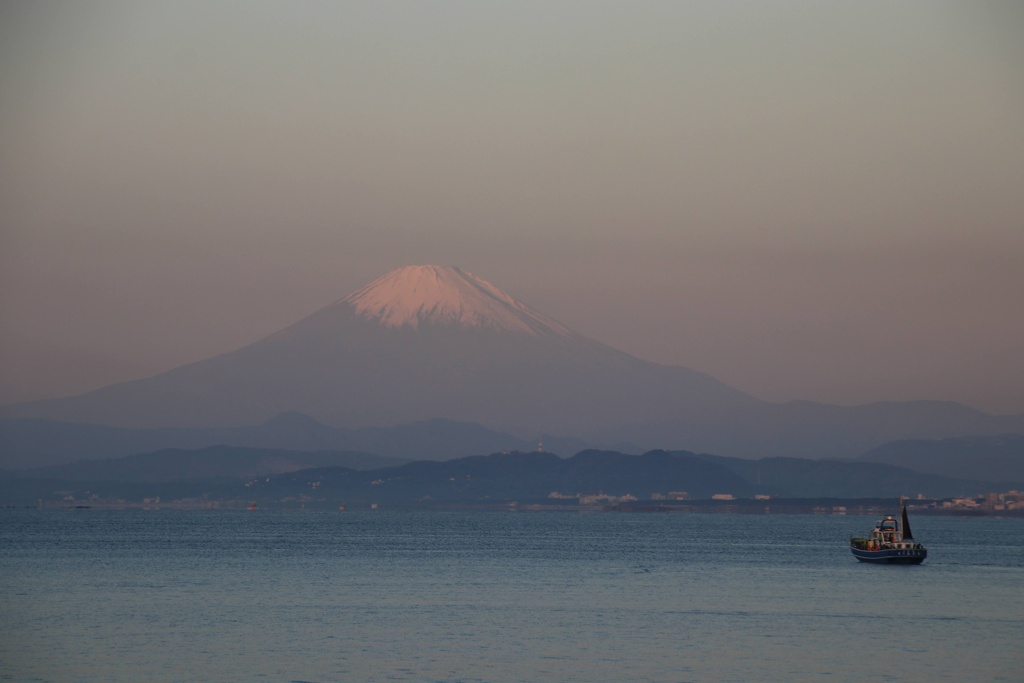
(420, 342)
(431, 295)
(427, 342)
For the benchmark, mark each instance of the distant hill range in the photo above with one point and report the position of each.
(512, 477)
(427, 342)
(535, 476)
(31, 443)
(277, 477)
(214, 462)
(994, 457)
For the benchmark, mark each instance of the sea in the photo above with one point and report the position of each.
(500, 596)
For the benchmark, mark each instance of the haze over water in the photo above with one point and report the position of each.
(95, 596)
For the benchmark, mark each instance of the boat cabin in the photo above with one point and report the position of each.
(887, 531)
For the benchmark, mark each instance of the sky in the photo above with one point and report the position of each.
(807, 200)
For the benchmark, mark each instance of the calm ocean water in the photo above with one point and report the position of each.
(105, 596)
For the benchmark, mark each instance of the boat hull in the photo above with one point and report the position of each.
(891, 555)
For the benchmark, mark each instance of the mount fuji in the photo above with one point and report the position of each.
(427, 342)
(418, 343)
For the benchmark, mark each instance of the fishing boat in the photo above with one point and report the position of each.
(890, 542)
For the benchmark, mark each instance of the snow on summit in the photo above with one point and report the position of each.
(416, 295)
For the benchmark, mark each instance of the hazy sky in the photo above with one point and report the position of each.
(814, 200)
